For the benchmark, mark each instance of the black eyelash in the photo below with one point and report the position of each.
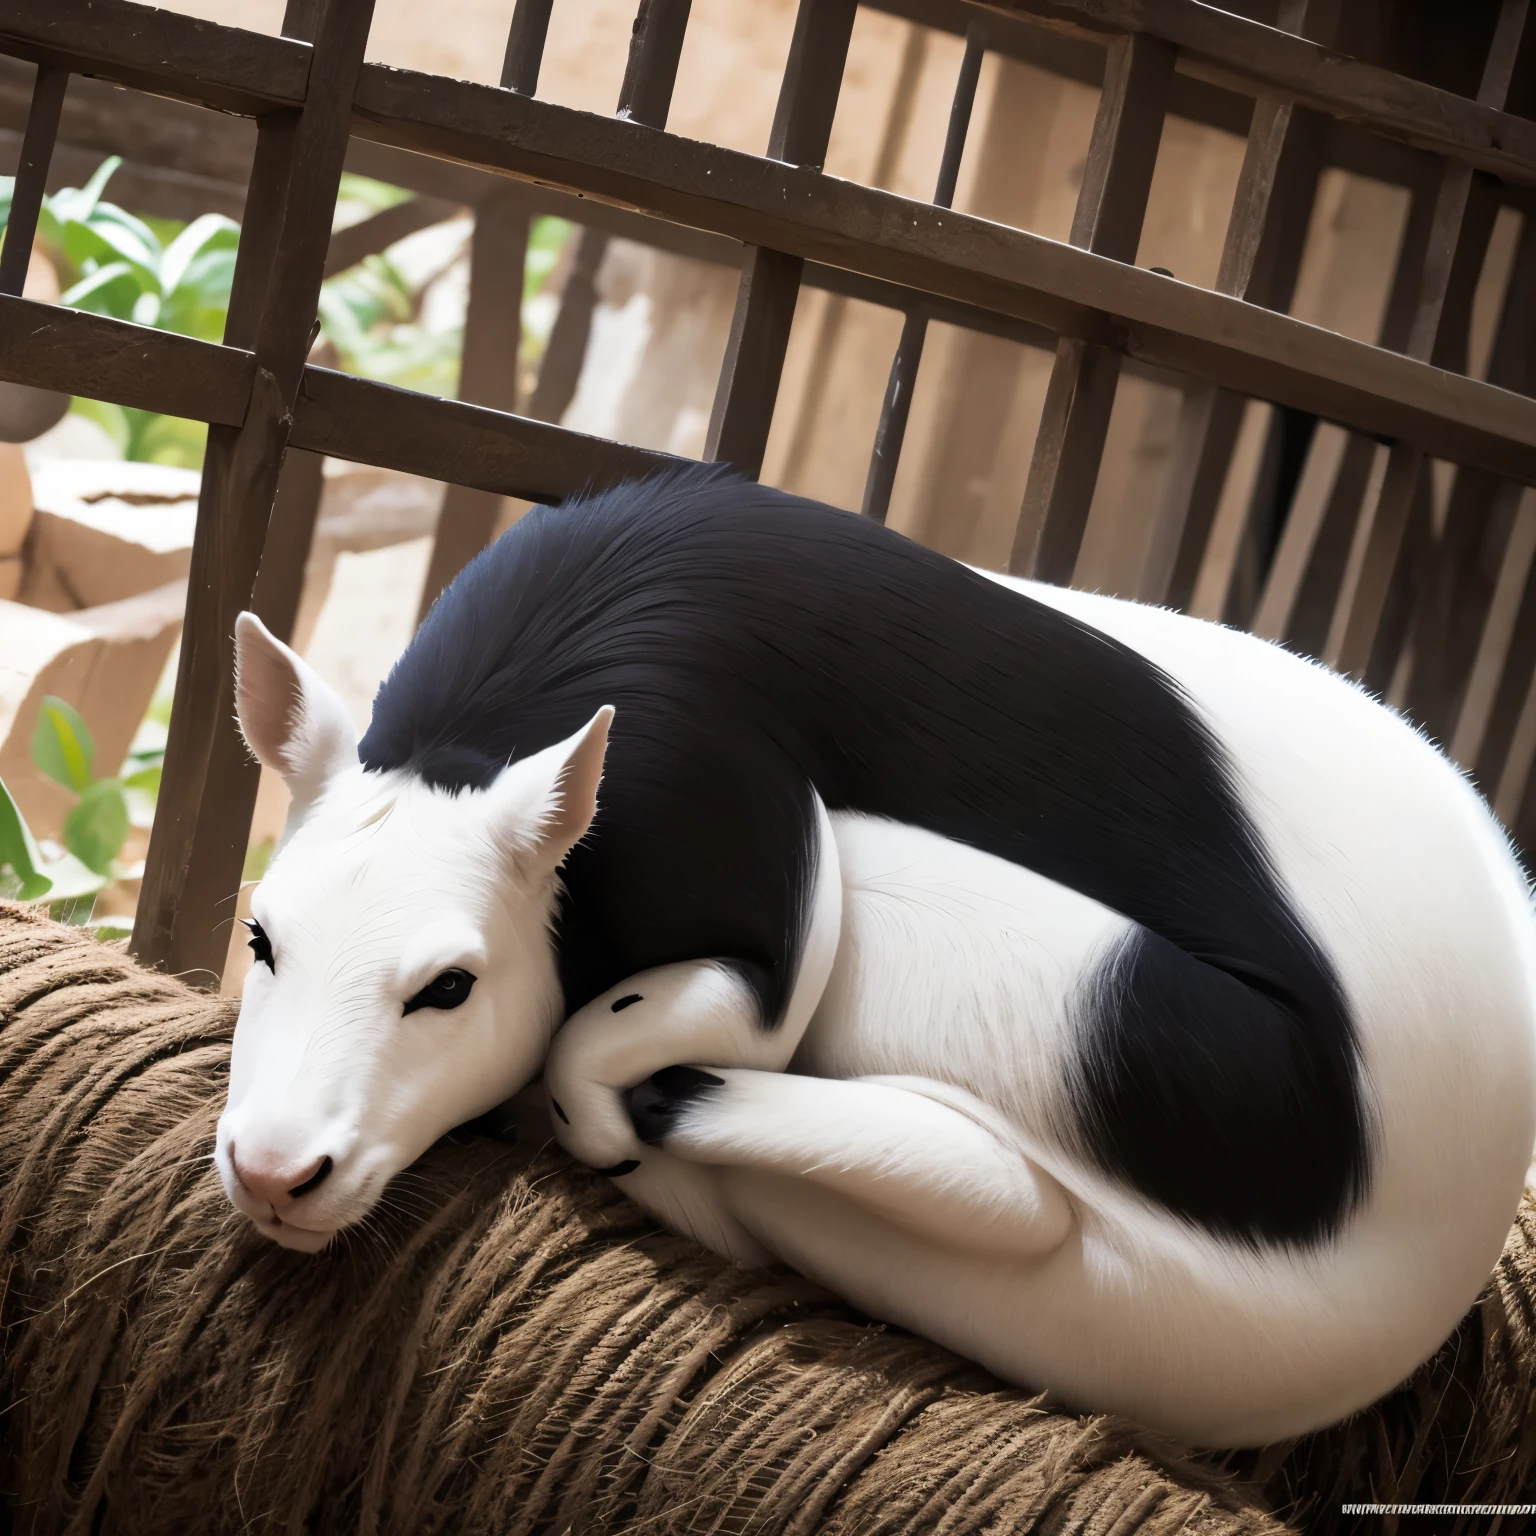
(261, 945)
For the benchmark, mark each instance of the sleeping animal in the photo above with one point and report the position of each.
(1122, 1001)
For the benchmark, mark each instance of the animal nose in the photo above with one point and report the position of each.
(279, 1183)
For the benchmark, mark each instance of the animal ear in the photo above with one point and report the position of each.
(290, 717)
(543, 805)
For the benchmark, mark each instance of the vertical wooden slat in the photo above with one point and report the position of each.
(1309, 604)
(1491, 667)
(655, 48)
(295, 511)
(817, 377)
(32, 176)
(1260, 259)
(1353, 637)
(525, 46)
(897, 405)
(487, 374)
(1456, 589)
(566, 349)
(493, 327)
(203, 818)
(1111, 207)
(770, 280)
(645, 96)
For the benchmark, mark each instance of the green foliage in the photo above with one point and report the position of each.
(97, 826)
(20, 862)
(164, 274)
(62, 745)
(176, 277)
(96, 829)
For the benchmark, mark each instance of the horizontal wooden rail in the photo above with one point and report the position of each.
(160, 51)
(956, 256)
(1245, 55)
(895, 240)
(350, 418)
(78, 353)
(242, 71)
(372, 423)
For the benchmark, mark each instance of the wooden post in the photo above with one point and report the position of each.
(897, 405)
(487, 374)
(1111, 207)
(525, 46)
(197, 849)
(655, 50)
(1303, 586)
(770, 280)
(1456, 590)
(285, 556)
(1260, 258)
(1357, 621)
(493, 328)
(32, 176)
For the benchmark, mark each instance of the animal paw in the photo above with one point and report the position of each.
(655, 1104)
(591, 1121)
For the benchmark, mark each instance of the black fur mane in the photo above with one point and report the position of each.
(756, 645)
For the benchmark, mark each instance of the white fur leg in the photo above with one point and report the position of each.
(697, 1010)
(685, 1197)
(921, 1154)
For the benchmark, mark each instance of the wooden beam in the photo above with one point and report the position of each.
(1243, 55)
(203, 817)
(655, 48)
(1458, 586)
(241, 71)
(885, 457)
(525, 46)
(1260, 258)
(372, 423)
(78, 353)
(161, 51)
(487, 375)
(1072, 292)
(770, 280)
(1111, 207)
(32, 176)
(285, 556)
(1455, 249)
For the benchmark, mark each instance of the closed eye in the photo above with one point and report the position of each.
(446, 990)
(261, 945)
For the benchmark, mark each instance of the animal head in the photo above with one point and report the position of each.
(405, 979)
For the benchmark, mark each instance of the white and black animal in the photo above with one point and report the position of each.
(1118, 999)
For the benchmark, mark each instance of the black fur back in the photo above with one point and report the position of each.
(755, 644)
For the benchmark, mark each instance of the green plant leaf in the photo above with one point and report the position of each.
(113, 289)
(79, 202)
(96, 829)
(62, 746)
(212, 234)
(89, 246)
(19, 852)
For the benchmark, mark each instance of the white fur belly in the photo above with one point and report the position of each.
(959, 967)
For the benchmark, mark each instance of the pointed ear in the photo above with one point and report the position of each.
(542, 806)
(291, 719)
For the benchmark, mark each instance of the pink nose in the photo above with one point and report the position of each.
(279, 1183)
